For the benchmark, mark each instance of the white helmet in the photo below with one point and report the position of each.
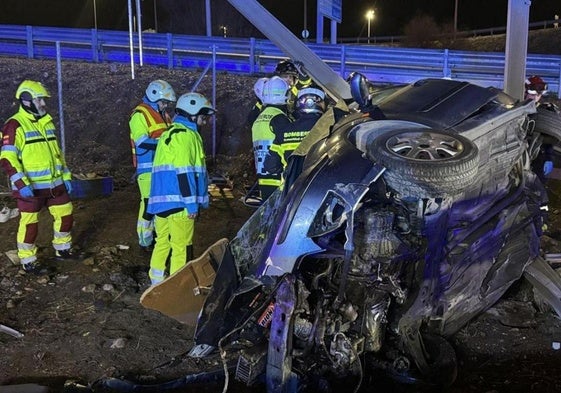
(194, 104)
(160, 90)
(311, 100)
(258, 87)
(274, 91)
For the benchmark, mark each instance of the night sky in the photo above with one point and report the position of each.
(187, 16)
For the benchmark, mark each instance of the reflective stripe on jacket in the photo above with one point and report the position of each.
(146, 125)
(30, 152)
(287, 141)
(179, 177)
(262, 136)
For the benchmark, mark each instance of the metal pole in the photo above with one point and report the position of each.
(130, 38)
(208, 19)
(455, 19)
(305, 15)
(155, 17)
(319, 27)
(139, 21)
(95, 15)
(60, 110)
(214, 101)
(516, 47)
(369, 17)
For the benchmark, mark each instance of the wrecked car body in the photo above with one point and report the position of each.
(413, 215)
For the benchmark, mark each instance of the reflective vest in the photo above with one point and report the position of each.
(31, 153)
(262, 137)
(179, 176)
(145, 123)
(285, 143)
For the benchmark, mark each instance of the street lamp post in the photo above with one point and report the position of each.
(369, 17)
(155, 17)
(95, 15)
(455, 18)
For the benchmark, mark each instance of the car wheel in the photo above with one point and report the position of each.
(548, 122)
(425, 163)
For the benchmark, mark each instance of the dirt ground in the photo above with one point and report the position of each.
(83, 321)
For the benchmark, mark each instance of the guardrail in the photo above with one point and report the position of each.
(258, 56)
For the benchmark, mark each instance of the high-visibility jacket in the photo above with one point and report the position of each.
(146, 125)
(179, 176)
(287, 141)
(30, 153)
(254, 112)
(262, 135)
(300, 84)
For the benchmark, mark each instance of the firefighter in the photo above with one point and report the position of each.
(258, 107)
(534, 88)
(294, 73)
(147, 122)
(273, 119)
(39, 177)
(179, 186)
(310, 105)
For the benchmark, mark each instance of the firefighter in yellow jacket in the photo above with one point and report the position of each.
(179, 186)
(35, 165)
(273, 119)
(147, 122)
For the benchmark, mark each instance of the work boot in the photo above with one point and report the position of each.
(68, 254)
(34, 268)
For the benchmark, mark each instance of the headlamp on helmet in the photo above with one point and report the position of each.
(311, 100)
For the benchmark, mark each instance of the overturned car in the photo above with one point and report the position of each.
(406, 219)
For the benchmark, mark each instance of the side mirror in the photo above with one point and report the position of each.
(359, 90)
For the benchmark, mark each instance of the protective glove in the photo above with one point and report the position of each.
(302, 74)
(68, 185)
(26, 192)
(547, 167)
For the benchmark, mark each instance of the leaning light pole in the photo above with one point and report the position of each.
(293, 47)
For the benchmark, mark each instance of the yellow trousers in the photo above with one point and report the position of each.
(145, 222)
(28, 226)
(175, 235)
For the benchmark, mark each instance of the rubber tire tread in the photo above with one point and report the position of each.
(426, 178)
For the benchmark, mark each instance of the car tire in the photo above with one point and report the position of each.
(425, 163)
(548, 122)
